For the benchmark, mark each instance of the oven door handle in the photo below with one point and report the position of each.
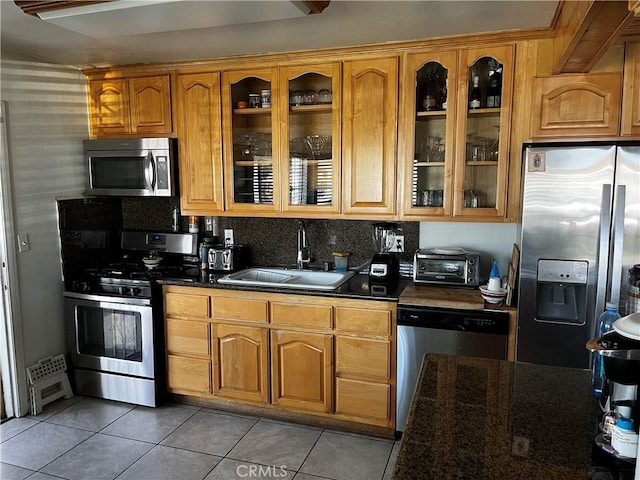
(92, 297)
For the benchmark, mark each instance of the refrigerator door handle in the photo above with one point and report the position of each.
(618, 243)
(603, 250)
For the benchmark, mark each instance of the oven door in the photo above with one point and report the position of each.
(110, 334)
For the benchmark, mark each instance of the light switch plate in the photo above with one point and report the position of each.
(23, 242)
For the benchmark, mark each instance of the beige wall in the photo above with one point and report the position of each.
(46, 123)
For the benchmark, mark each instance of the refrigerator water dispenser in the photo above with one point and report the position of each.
(561, 291)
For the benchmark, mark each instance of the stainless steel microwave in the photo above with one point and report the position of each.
(135, 167)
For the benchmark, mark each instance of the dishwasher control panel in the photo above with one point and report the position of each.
(480, 321)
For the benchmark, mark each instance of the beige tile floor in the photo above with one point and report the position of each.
(88, 438)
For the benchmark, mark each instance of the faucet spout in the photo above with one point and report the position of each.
(304, 254)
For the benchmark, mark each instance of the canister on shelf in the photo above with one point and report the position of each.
(265, 96)
(254, 100)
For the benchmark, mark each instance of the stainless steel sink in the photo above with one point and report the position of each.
(284, 278)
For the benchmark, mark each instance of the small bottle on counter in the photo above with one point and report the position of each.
(194, 224)
(605, 324)
(204, 256)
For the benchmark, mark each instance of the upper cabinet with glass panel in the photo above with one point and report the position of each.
(251, 140)
(429, 122)
(310, 142)
(455, 132)
(484, 110)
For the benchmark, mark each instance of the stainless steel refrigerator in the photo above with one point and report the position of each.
(580, 237)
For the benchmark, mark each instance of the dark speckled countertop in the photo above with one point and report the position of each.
(357, 287)
(474, 418)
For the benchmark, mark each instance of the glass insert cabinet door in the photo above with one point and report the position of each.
(250, 139)
(483, 138)
(310, 143)
(430, 102)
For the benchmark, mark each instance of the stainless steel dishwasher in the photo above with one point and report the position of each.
(422, 330)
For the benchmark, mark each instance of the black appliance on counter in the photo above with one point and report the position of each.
(227, 258)
(114, 321)
(385, 265)
(620, 350)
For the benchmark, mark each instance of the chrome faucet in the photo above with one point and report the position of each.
(304, 254)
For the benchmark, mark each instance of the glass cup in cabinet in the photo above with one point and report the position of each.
(297, 98)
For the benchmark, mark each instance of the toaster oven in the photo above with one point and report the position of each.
(456, 267)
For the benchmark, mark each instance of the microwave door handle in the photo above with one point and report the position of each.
(150, 171)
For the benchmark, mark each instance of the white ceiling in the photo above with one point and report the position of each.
(181, 30)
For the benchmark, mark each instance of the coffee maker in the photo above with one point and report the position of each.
(620, 350)
(385, 265)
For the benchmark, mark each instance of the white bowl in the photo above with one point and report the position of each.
(151, 262)
(494, 300)
(484, 289)
(493, 296)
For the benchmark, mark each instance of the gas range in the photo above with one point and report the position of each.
(131, 279)
(128, 276)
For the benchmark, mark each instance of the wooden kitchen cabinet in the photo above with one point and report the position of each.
(369, 137)
(455, 158)
(251, 139)
(240, 362)
(630, 126)
(301, 373)
(188, 375)
(289, 354)
(483, 135)
(199, 131)
(187, 338)
(365, 363)
(576, 105)
(131, 106)
(295, 313)
(427, 133)
(310, 101)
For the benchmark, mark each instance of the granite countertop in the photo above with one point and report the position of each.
(357, 287)
(475, 418)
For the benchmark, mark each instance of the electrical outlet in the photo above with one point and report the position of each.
(520, 446)
(228, 237)
(398, 245)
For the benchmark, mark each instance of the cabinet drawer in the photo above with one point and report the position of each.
(302, 315)
(363, 399)
(193, 374)
(359, 356)
(184, 336)
(186, 305)
(365, 321)
(240, 309)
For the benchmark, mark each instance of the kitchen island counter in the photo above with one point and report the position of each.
(474, 418)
